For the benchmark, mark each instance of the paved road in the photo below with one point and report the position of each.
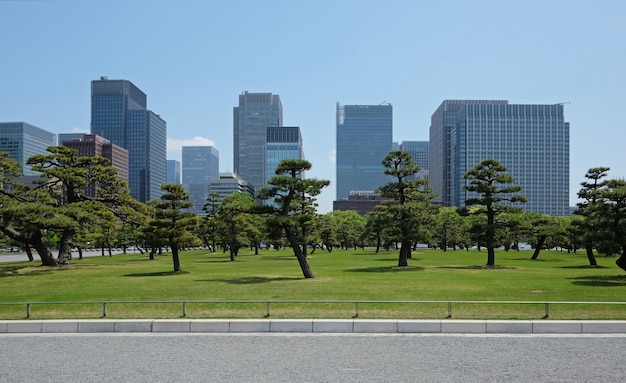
(20, 257)
(310, 358)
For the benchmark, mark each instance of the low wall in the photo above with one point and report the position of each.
(445, 326)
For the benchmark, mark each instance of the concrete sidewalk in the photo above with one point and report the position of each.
(445, 326)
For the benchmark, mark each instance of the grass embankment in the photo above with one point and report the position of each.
(432, 275)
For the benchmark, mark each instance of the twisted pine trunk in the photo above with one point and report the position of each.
(293, 241)
(590, 255)
(621, 261)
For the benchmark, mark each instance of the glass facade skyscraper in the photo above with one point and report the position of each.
(200, 166)
(230, 183)
(256, 112)
(283, 143)
(419, 154)
(173, 172)
(92, 145)
(364, 138)
(119, 113)
(22, 141)
(531, 141)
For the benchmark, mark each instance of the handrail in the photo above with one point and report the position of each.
(269, 302)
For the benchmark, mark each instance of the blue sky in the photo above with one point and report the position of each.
(193, 59)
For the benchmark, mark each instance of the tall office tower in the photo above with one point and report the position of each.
(419, 154)
(119, 113)
(364, 138)
(173, 172)
(230, 183)
(532, 141)
(200, 165)
(93, 145)
(282, 143)
(256, 112)
(22, 141)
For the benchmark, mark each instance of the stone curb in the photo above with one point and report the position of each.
(314, 326)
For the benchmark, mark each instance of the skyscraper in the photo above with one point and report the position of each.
(22, 141)
(230, 183)
(94, 145)
(200, 165)
(256, 112)
(364, 138)
(173, 172)
(281, 143)
(419, 154)
(119, 113)
(531, 141)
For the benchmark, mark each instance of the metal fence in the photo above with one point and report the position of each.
(268, 304)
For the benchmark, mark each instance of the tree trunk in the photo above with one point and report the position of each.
(34, 239)
(621, 261)
(405, 253)
(65, 247)
(491, 236)
(80, 252)
(175, 257)
(304, 265)
(540, 241)
(590, 255)
(29, 253)
(491, 256)
(47, 259)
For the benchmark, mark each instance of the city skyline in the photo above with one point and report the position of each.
(194, 61)
(200, 165)
(251, 118)
(120, 114)
(531, 141)
(364, 138)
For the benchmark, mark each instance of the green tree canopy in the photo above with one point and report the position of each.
(235, 225)
(171, 221)
(408, 200)
(488, 180)
(287, 193)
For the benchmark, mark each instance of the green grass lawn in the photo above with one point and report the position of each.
(354, 275)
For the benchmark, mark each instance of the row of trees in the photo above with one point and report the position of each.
(80, 202)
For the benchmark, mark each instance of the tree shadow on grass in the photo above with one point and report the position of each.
(216, 260)
(544, 259)
(254, 280)
(280, 257)
(582, 267)
(156, 274)
(478, 267)
(600, 280)
(385, 269)
(12, 271)
(391, 259)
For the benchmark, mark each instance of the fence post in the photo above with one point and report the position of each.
(267, 313)
(356, 310)
(547, 314)
(104, 309)
(28, 310)
(449, 309)
(184, 309)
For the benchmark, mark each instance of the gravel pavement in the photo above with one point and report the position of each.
(21, 257)
(310, 358)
